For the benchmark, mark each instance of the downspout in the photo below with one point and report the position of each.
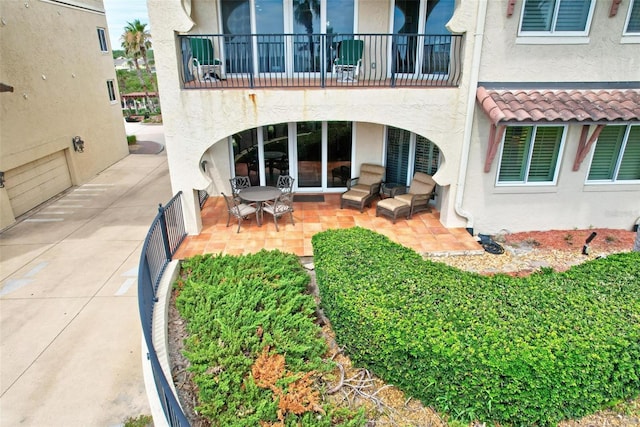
(473, 84)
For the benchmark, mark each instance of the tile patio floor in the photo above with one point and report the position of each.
(424, 233)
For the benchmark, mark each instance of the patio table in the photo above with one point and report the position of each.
(259, 195)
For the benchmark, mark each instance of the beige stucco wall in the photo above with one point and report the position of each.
(194, 120)
(570, 203)
(603, 58)
(52, 59)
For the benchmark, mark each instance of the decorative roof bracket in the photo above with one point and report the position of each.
(495, 137)
(511, 6)
(585, 145)
(614, 8)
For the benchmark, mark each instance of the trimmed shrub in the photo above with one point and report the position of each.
(132, 139)
(252, 341)
(521, 351)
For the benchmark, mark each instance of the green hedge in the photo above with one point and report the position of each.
(521, 351)
(235, 307)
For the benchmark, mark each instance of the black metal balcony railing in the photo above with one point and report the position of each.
(309, 60)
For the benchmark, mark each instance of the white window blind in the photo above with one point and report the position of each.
(633, 20)
(616, 156)
(556, 16)
(530, 154)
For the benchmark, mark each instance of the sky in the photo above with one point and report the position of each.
(119, 12)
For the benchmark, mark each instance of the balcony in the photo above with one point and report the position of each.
(220, 61)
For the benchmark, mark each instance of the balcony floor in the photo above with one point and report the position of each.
(423, 233)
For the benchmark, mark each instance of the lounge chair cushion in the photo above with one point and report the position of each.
(355, 195)
(371, 168)
(368, 179)
(422, 184)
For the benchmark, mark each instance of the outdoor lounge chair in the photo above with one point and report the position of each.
(203, 63)
(416, 199)
(348, 60)
(241, 211)
(420, 192)
(281, 206)
(363, 189)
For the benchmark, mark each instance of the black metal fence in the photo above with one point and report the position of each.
(202, 197)
(219, 61)
(165, 235)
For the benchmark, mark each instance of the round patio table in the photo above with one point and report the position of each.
(259, 195)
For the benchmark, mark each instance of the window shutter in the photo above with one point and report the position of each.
(398, 141)
(630, 165)
(514, 154)
(634, 18)
(544, 157)
(427, 156)
(605, 155)
(537, 15)
(573, 15)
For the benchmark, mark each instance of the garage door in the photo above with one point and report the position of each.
(36, 182)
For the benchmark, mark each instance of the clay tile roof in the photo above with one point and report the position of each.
(601, 106)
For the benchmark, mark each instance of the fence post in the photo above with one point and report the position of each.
(165, 233)
(636, 245)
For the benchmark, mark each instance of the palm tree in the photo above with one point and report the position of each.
(136, 42)
(304, 12)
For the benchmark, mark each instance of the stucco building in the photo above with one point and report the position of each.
(58, 82)
(527, 113)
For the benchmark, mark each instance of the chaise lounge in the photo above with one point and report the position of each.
(363, 189)
(415, 200)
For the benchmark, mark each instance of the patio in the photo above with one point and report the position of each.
(423, 233)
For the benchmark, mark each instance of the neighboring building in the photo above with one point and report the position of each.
(123, 64)
(58, 83)
(251, 87)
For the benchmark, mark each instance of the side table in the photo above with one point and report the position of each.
(390, 189)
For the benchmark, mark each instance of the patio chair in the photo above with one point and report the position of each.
(285, 183)
(348, 60)
(241, 211)
(420, 192)
(281, 206)
(343, 173)
(237, 184)
(363, 189)
(203, 63)
(282, 164)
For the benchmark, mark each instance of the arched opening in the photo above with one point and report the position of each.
(323, 155)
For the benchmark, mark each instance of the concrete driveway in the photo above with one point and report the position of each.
(69, 325)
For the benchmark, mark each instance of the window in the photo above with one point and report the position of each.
(617, 155)
(633, 19)
(102, 39)
(530, 155)
(408, 153)
(111, 90)
(317, 154)
(301, 50)
(556, 17)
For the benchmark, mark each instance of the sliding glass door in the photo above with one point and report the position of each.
(408, 153)
(339, 148)
(289, 35)
(422, 43)
(316, 154)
